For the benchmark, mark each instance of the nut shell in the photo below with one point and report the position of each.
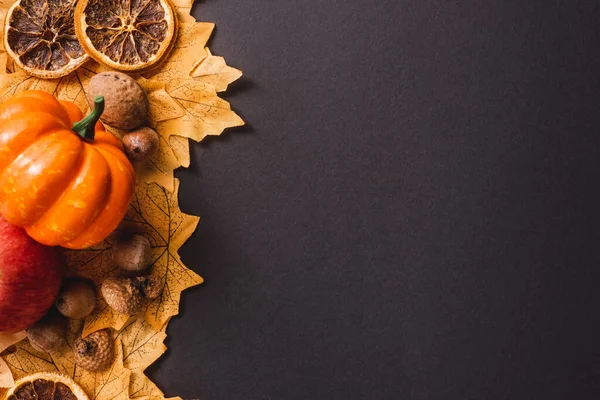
(126, 103)
(94, 352)
(141, 144)
(77, 299)
(132, 254)
(48, 333)
(122, 295)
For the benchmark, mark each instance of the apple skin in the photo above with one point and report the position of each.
(30, 278)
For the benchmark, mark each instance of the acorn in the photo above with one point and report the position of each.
(130, 295)
(122, 295)
(132, 253)
(94, 352)
(77, 298)
(48, 333)
(141, 144)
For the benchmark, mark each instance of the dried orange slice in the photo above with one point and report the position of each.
(46, 386)
(126, 35)
(39, 35)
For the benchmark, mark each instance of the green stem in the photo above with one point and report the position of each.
(86, 128)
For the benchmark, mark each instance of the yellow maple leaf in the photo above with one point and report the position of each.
(205, 112)
(113, 383)
(142, 388)
(162, 106)
(215, 71)
(141, 347)
(155, 212)
(181, 148)
(183, 9)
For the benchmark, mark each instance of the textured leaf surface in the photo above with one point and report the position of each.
(213, 70)
(205, 112)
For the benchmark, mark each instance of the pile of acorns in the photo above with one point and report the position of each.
(128, 293)
(127, 109)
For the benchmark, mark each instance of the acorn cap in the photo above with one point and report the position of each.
(152, 286)
(94, 352)
(122, 295)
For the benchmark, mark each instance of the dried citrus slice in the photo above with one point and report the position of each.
(39, 35)
(126, 35)
(46, 386)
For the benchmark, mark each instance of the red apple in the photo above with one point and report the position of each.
(30, 278)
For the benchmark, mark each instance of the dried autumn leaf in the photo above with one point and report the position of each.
(142, 345)
(162, 106)
(159, 168)
(183, 9)
(11, 84)
(215, 71)
(155, 212)
(142, 388)
(205, 112)
(181, 148)
(104, 317)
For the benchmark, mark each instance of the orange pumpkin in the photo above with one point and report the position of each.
(62, 177)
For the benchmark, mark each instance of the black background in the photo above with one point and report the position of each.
(411, 212)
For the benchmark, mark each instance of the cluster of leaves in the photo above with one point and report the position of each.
(185, 105)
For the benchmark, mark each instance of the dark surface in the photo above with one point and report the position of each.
(412, 212)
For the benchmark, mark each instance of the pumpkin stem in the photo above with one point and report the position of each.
(86, 128)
